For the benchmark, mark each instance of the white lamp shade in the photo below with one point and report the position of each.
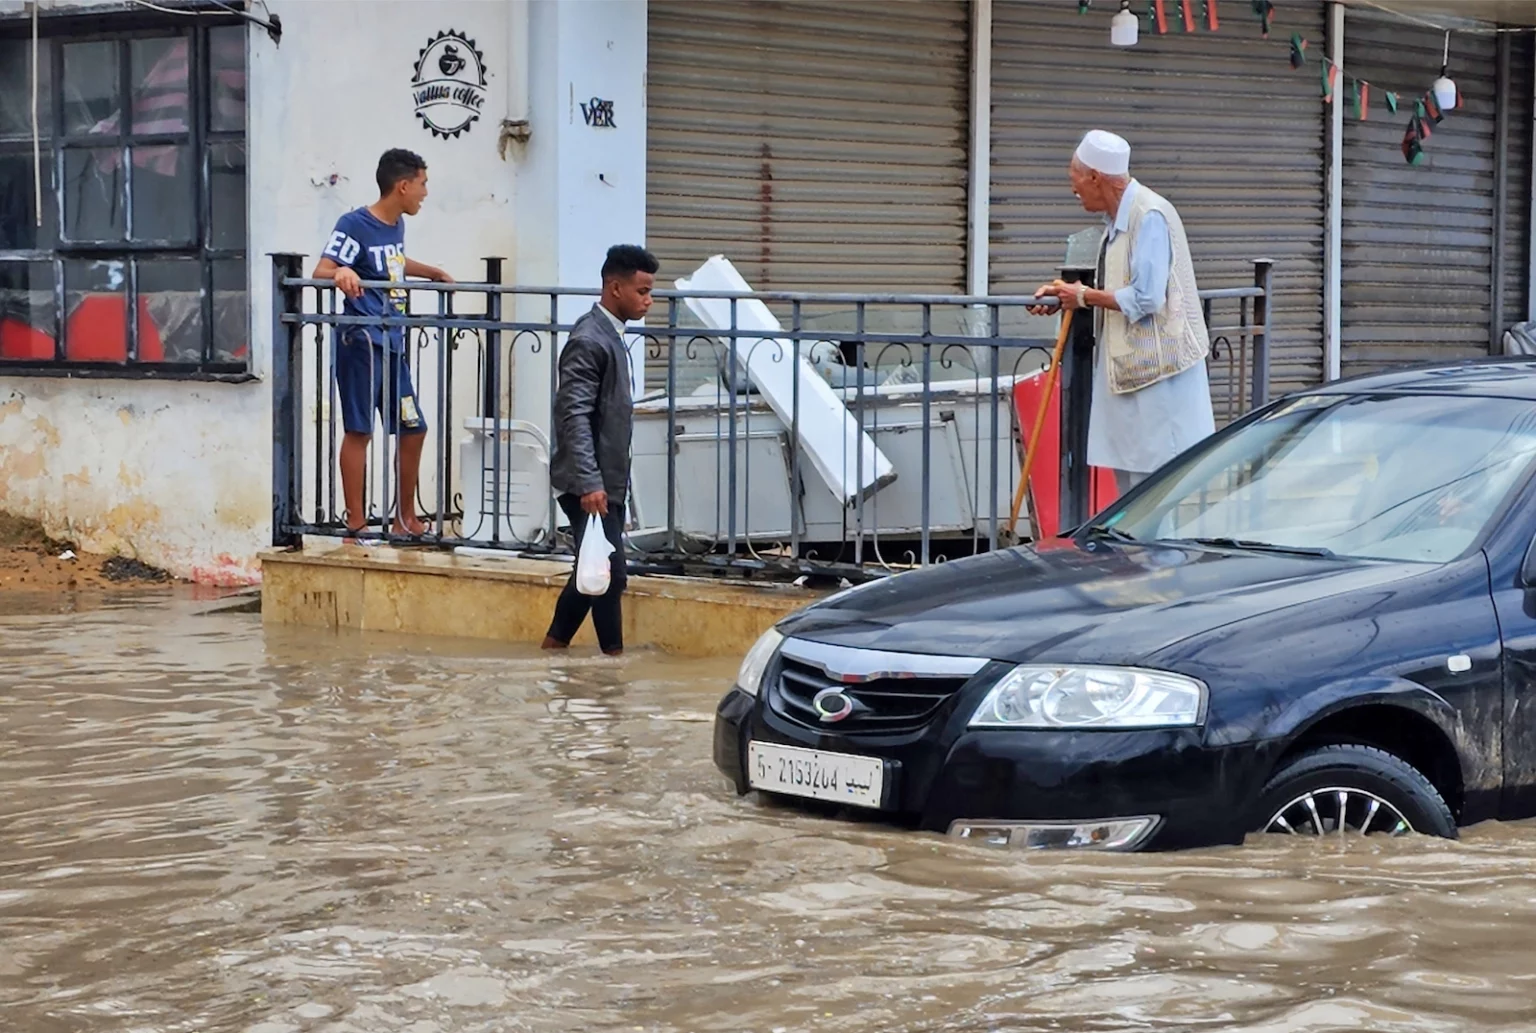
(1445, 93)
(1124, 29)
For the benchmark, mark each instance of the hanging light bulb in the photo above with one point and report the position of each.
(1124, 27)
(1444, 88)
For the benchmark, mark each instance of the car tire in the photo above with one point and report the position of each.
(1365, 774)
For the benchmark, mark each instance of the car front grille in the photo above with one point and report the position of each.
(882, 705)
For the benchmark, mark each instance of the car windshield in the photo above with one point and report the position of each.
(1402, 477)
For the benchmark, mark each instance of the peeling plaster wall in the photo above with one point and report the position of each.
(179, 474)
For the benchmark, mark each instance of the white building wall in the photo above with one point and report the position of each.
(178, 474)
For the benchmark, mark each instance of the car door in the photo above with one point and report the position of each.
(1511, 552)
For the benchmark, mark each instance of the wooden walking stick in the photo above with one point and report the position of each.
(1031, 443)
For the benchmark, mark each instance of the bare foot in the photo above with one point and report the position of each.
(614, 652)
(550, 642)
(412, 527)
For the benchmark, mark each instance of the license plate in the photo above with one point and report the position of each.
(795, 771)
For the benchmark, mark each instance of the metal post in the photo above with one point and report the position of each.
(286, 432)
(1501, 103)
(490, 392)
(490, 407)
(1076, 380)
(1333, 232)
(1263, 312)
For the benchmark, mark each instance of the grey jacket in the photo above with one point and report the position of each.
(593, 411)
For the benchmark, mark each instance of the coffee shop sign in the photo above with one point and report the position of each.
(448, 87)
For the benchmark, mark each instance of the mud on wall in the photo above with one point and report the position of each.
(173, 474)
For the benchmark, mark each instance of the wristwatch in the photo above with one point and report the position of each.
(1082, 292)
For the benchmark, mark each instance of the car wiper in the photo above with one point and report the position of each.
(1252, 546)
(1114, 534)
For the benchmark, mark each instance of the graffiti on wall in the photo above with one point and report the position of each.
(598, 113)
(448, 87)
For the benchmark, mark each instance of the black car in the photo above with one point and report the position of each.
(1320, 621)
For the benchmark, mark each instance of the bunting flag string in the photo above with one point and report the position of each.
(1427, 112)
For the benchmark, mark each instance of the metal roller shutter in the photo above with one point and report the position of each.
(1219, 124)
(1417, 239)
(818, 145)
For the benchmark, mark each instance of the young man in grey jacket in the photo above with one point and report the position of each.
(592, 422)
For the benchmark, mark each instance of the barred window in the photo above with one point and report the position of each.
(134, 261)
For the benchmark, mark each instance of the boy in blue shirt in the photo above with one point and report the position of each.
(371, 372)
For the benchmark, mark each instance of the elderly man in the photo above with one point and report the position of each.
(1151, 396)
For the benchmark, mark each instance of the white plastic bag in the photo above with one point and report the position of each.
(592, 573)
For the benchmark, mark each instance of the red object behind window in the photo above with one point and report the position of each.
(98, 331)
(20, 341)
(1045, 474)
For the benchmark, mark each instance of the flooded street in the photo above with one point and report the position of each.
(204, 826)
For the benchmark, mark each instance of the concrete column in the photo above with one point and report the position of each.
(581, 176)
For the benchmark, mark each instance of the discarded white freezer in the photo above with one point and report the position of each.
(830, 437)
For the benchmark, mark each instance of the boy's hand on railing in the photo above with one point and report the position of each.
(348, 282)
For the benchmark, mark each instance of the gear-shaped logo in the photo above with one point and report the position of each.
(448, 87)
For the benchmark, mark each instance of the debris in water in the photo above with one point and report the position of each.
(124, 568)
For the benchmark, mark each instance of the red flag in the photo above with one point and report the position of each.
(1211, 21)
(1162, 17)
(1189, 14)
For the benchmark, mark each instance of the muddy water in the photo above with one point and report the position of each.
(203, 827)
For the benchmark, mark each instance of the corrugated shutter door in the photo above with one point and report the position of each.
(819, 146)
(1219, 124)
(1417, 239)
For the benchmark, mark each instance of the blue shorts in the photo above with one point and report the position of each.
(370, 377)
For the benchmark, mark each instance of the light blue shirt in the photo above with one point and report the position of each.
(1151, 259)
(1140, 431)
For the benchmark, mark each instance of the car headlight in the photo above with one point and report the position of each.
(750, 678)
(1039, 696)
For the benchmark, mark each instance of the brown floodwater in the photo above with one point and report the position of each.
(205, 826)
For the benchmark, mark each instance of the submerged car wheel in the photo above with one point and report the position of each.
(1352, 790)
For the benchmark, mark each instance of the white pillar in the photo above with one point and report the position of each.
(979, 215)
(581, 181)
(1333, 350)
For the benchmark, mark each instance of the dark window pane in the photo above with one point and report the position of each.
(18, 214)
(170, 311)
(27, 328)
(231, 317)
(94, 207)
(91, 103)
(163, 193)
(16, 90)
(226, 186)
(97, 311)
(160, 100)
(226, 70)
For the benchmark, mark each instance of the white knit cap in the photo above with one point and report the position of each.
(1105, 152)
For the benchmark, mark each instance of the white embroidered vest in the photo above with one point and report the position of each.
(1172, 339)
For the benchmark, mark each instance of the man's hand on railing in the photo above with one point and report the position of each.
(1063, 295)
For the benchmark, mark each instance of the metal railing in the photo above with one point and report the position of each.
(725, 478)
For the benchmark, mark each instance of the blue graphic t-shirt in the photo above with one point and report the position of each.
(374, 250)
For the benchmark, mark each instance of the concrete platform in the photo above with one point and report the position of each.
(429, 592)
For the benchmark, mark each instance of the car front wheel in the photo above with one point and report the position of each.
(1351, 790)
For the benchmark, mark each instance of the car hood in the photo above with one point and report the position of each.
(1065, 603)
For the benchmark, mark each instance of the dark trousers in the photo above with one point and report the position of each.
(571, 608)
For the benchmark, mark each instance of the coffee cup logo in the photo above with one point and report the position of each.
(448, 87)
